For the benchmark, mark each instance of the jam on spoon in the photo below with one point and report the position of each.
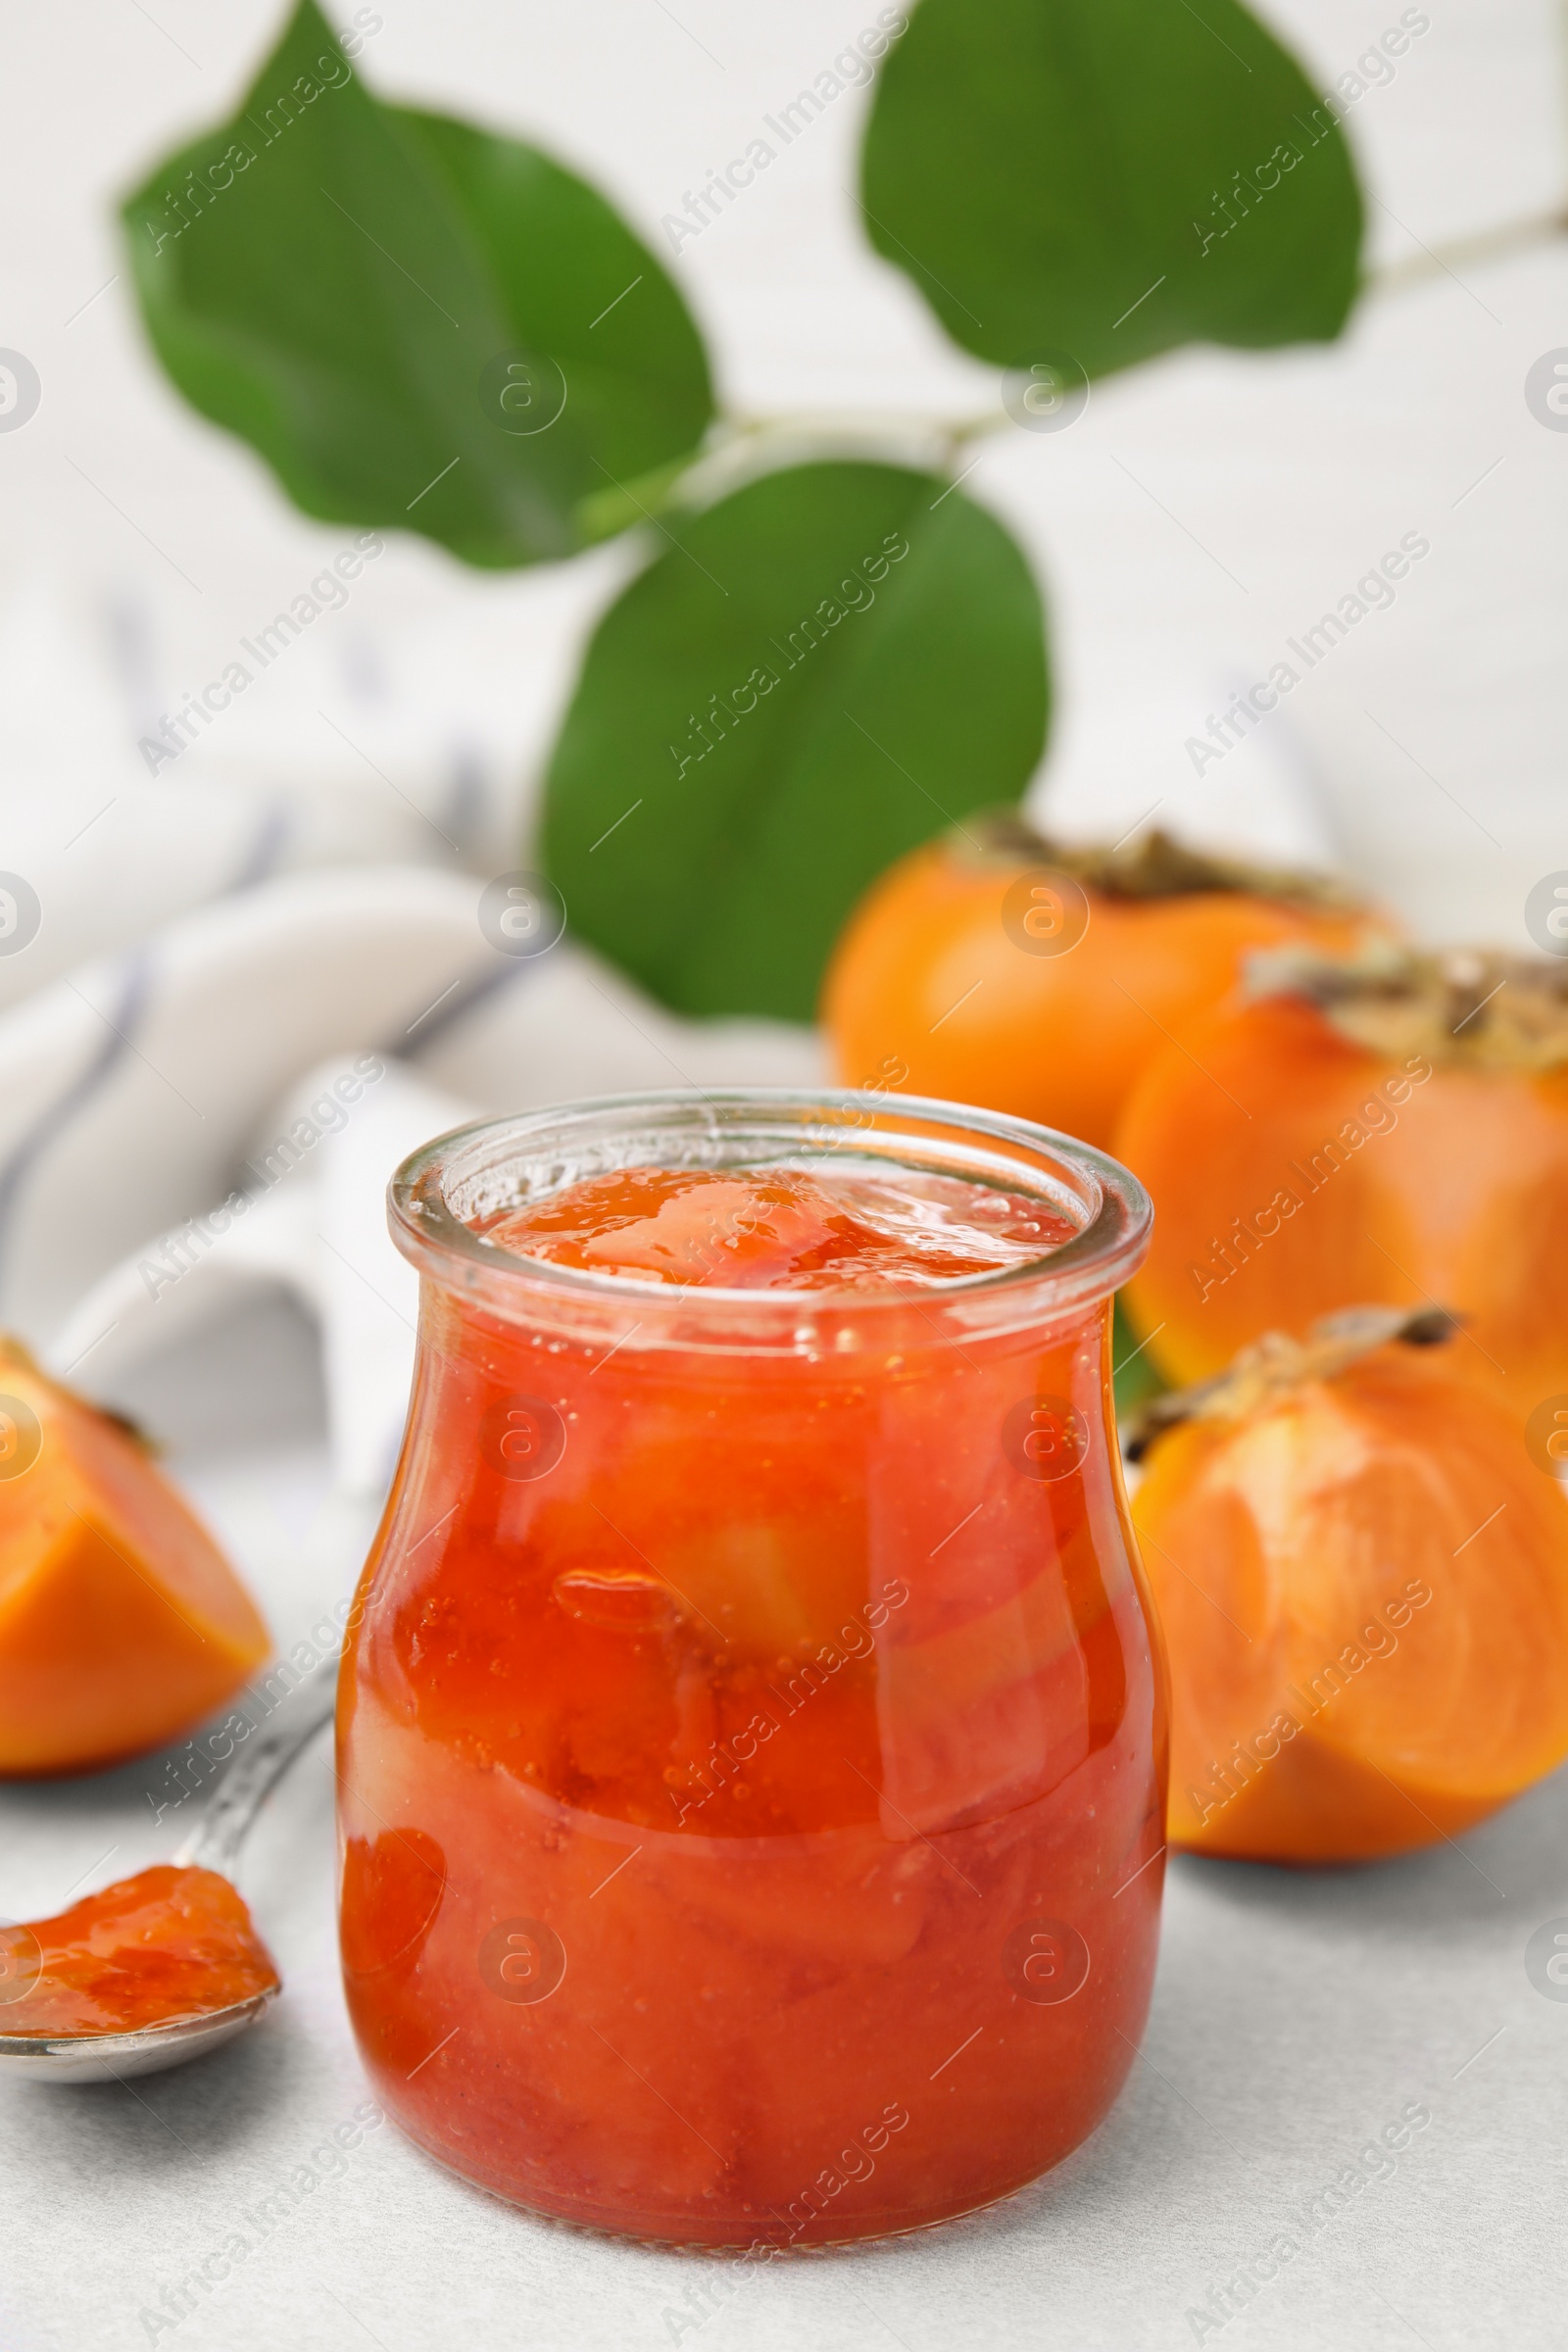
(163, 1966)
(167, 1944)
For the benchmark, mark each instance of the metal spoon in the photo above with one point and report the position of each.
(214, 1844)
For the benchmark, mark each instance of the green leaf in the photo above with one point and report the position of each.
(346, 284)
(813, 676)
(1138, 1375)
(1087, 180)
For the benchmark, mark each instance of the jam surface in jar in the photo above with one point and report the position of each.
(752, 1753)
(782, 1228)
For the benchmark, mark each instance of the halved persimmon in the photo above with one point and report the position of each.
(999, 967)
(122, 1624)
(1363, 1583)
(1393, 1130)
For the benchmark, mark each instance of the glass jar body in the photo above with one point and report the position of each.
(752, 1771)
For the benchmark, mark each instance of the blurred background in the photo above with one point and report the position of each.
(1206, 507)
(300, 884)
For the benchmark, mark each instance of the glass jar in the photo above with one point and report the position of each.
(751, 1733)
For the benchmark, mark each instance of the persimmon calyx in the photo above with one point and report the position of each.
(1475, 1007)
(1276, 1364)
(1154, 866)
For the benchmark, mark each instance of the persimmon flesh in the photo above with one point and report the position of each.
(1006, 971)
(1363, 1583)
(122, 1624)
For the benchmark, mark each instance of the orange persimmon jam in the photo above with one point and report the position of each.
(169, 1943)
(752, 1736)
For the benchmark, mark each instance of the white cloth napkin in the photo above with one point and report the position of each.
(220, 1106)
(313, 1223)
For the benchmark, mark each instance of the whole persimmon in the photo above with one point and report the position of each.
(998, 968)
(122, 1624)
(1393, 1130)
(1363, 1584)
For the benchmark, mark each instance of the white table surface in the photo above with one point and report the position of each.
(1294, 2017)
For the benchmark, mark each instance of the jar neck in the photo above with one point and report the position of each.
(446, 1192)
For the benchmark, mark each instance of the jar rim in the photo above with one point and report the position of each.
(489, 1164)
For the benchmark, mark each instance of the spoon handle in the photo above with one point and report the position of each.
(284, 1724)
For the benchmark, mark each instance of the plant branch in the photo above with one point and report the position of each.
(1488, 245)
(857, 424)
(743, 436)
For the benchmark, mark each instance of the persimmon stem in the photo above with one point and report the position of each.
(1274, 1364)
